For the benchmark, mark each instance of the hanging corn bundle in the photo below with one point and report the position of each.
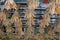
(29, 14)
(31, 8)
(6, 23)
(10, 4)
(29, 23)
(17, 21)
(15, 18)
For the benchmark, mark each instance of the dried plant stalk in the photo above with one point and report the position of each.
(15, 18)
(6, 23)
(29, 23)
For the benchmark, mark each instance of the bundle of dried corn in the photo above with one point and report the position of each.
(6, 22)
(17, 21)
(29, 15)
(32, 5)
(29, 23)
